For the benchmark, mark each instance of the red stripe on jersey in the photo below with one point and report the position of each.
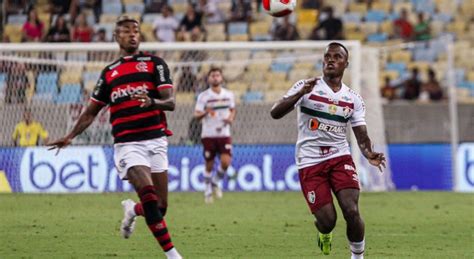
(129, 68)
(124, 105)
(326, 100)
(125, 132)
(136, 117)
(97, 101)
(164, 86)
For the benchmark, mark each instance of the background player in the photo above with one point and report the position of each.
(325, 106)
(216, 108)
(138, 89)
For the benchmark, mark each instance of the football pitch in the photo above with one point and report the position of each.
(242, 225)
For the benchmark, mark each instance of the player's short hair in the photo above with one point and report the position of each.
(334, 43)
(214, 69)
(123, 19)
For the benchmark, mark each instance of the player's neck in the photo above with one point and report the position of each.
(216, 89)
(124, 53)
(335, 83)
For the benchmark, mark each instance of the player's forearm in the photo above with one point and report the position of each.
(84, 121)
(199, 115)
(284, 106)
(167, 104)
(363, 140)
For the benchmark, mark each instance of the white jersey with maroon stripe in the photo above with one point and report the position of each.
(322, 122)
(213, 125)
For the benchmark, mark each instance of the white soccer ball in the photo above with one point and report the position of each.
(279, 8)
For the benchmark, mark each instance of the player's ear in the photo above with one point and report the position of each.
(347, 64)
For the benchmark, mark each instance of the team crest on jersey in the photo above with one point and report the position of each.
(347, 112)
(142, 67)
(320, 92)
(332, 109)
(311, 197)
(345, 98)
(122, 163)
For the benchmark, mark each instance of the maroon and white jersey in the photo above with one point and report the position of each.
(141, 73)
(213, 125)
(323, 116)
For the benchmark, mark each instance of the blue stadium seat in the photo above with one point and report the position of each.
(281, 67)
(112, 8)
(425, 55)
(135, 8)
(47, 83)
(253, 96)
(237, 28)
(351, 17)
(393, 16)
(459, 74)
(396, 66)
(17, 19)
(375, 16)
(442, 17)
(90, 76)
(3, 79)
(377, 37)
(70, 93)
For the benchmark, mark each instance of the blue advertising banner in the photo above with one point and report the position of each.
(254, 168)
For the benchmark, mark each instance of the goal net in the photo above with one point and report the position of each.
(54, 81)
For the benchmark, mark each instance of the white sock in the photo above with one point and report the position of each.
(207, 177)
(357, 249)
(173, 254)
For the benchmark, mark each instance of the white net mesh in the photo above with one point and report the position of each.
(55, 81)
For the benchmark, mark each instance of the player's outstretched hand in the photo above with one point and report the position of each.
(309, 85)
(377, 160)
(143, 98)
(60, 143)
(228, 121)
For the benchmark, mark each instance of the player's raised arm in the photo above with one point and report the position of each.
(365, 145)
(287, 103)
(85, 119)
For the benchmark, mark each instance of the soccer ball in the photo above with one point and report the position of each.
(279, 8)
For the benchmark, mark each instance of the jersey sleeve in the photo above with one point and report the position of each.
(162, 74)
(232, 100)
(42, 132)
(101, 94)
(295, 89)
(200, 104)
(358, 117)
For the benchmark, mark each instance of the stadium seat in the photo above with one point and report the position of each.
(298, 74)
(237, 86)
(70, 93)
(307, 17)
(377, 37)
(237, 28)
(47, 83)
(470, 76)
(386, 27)
(351, 17)
(147, 31)
(424, 55)
(252, 97)
(112, 8)
(91, 76)
(457, 27)
(358, 7)
(422, 66)
(150, 17)
(442, 17)
(400, 56)
(108, 18)
(281, 67)
(275, 77)
(70, 77)
(239, 37)
(216, 32)
(393, 75)
(396, 66)
(18, 19)
(259, 29)
(185, 97)
(375, 16)
(134, 8)
(437, 27)
(369, 27)
(355, 35)
(274, 95)
(262, 54)
(3, 79)
(381, 6)
(397, 7)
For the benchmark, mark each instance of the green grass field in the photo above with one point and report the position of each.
(242, 225)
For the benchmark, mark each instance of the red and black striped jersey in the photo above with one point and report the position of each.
(141, 73)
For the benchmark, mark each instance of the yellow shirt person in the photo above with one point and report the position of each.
(28, 133)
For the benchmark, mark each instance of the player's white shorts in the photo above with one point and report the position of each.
(152, 153)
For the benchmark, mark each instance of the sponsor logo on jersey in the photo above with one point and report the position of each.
(319, 106)
(161, 72)
(347, 112)
(142, 67)
(349, 167)
(314, 125)
(144, 58)
(311, 197)
(119, 93)
(332, 109)
(355, 177)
